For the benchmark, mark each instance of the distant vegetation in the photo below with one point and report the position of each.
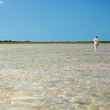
(38, 42)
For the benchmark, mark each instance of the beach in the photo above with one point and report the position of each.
(54, 77)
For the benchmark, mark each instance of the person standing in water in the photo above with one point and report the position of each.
(95, 43)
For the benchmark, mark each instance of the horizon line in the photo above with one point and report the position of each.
(52, 41)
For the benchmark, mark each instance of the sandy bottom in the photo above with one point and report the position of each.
(54, 77)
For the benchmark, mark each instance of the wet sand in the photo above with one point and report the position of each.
(54, 77)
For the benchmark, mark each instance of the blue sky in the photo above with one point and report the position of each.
(54, 19)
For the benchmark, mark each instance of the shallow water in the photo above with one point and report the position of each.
(54, 77)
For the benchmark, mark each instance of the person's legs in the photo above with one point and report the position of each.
(95, 47)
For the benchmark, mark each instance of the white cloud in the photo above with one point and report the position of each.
(1, 1)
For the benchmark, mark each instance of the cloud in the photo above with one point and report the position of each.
(1, 2)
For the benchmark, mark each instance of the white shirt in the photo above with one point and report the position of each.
(95, 40)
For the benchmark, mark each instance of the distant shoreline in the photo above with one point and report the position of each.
(47, 42)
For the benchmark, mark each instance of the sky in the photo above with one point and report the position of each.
(54, 19)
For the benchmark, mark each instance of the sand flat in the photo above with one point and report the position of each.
(54, 77)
